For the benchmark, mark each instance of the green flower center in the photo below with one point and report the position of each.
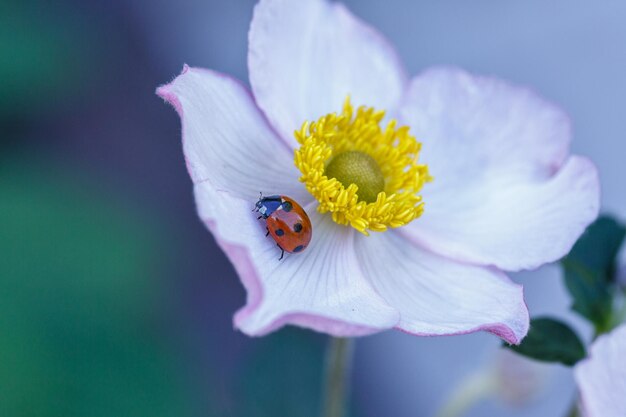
(355, 167)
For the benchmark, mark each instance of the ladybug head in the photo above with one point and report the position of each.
(259, 206)
(267, 205)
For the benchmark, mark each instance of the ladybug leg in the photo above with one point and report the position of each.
(282, 252)
(268, 232)
(259, 218)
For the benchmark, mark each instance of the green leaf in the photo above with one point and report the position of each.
(550, 340)
(590, 270)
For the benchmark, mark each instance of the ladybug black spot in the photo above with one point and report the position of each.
(287, 206)
(297, 227)
(298, 248)
(279, 232)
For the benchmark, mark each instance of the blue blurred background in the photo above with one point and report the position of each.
(114, 299)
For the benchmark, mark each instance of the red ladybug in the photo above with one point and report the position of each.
(286, 221)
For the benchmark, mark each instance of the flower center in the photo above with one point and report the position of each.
(366, 176)
(355, 167)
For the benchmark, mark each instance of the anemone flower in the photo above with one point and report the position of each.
(601, 377)
(333, 122)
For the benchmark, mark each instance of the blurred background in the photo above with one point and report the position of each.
(114, 299)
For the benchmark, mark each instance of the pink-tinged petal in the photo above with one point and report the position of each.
(505, 191)
(437, 296)
(321, 288)
(226, 139)
(601, 377)
(305, 57)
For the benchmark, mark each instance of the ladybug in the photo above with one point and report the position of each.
(286, 221)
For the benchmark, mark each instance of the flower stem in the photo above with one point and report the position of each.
(336, 382)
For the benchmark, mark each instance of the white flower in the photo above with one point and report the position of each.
(506, 194)
(601, 378)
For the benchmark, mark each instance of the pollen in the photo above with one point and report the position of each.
(366, 176)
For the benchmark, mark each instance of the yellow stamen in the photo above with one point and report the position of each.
(335, 155)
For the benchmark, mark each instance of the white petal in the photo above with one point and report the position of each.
(321, 288)
(226, 139)
(601, 378)
(437, 296)
(505, 192)
(305, 57)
